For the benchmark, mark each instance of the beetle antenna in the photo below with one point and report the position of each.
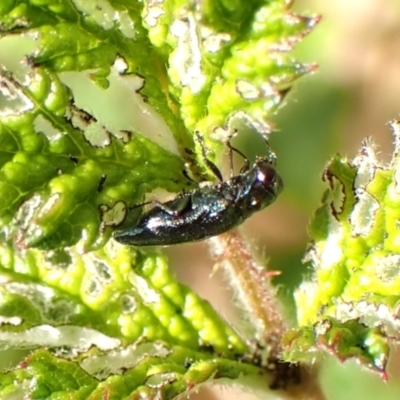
(271, 155)
(246, 163)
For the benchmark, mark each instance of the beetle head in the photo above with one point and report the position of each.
(267, 184)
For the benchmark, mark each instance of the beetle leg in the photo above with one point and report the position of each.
(140, 205)
(165, 208)
(174, 208)
(210, 165)
(246, 164)
(187, 176)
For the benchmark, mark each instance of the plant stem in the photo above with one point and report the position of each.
(251, 284)
(256, 296)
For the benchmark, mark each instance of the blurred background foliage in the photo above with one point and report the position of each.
(353, 94)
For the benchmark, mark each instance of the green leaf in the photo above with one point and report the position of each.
(137, 372)
(90, 307)
(57, 154)
(345, 340)
(99, 290)
(100, 102)
(355, 256)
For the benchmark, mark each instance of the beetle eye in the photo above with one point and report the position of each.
(261, 176)
(267, 175)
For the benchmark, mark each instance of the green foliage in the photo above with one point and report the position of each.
(95, 318)
(166, 372)
(354, 252)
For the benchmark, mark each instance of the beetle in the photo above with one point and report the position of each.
(210, 209)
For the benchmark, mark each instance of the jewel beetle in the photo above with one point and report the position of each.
(210, 209)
